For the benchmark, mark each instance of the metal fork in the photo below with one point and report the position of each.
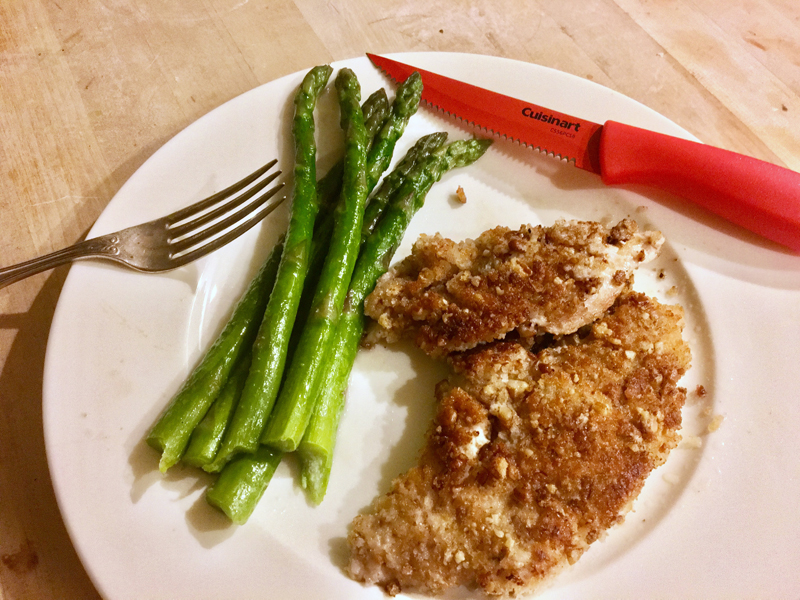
(174, 240)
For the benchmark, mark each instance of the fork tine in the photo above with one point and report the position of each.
(184, 228)
(188, 242)
(255, 218)
(202, 205)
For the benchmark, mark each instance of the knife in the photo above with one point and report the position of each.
(752, 193)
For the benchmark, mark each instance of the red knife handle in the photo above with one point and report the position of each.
(757, 195)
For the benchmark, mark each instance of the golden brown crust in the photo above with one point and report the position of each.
(453, 296)
(531, 456)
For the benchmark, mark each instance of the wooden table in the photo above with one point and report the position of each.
(90, 89)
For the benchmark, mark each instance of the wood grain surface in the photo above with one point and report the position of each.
(90, 89)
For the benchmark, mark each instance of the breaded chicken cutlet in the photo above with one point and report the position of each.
(531, 457)
(452, 296)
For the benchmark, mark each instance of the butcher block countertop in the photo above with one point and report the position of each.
(90, 89)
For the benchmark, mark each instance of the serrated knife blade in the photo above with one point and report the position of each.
(521, 121)
(757, 195)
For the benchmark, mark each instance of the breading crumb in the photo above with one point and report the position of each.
(691, 442)
(671, 478)
(715, 423)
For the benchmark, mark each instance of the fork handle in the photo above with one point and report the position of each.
(93, 248)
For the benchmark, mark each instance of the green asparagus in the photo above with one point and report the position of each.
(207, 436)
(285, 427)
(376, 110)
(269, 348)
(404, 106)
(316, 449)
(241, 484)
(172, 431)
(377, 202)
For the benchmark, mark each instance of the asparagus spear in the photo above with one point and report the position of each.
(376, 112)
(316, 449)
(242, 482)
(404, 106)
(269, 348)
(377, 202)
(172, 431)
(293, 408)
(207, 436)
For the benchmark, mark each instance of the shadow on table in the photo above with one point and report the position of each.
(26, 490)
(28, 500)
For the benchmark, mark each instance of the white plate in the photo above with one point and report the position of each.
(718, 521)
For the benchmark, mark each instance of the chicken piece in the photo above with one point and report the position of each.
(531, 457)
(453, 296)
